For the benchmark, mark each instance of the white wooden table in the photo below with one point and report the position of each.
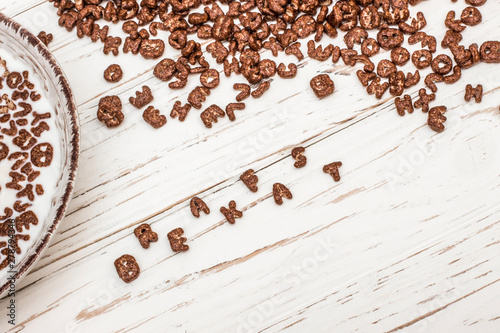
(407, 241)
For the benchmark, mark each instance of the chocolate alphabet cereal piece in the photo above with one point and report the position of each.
(210, 78)
(110, 111)
(476, 93)
(245, 91)
(152, 48)
(261, 89)
(24, 140)
(298, 155)
(127, 268)
(42, 154)
(250, 180)
(25, 220)
(180, 111)
(198, 96)
(113, 73)
(112, 45)
(322, 85)
(142, 98)
(165, 69)
(333, 170)
(153, 117)
(230, 109)
(145, 235)
(177, 241)
(45, 38)
(4, 151)
(287, 74)
(231, 213)
(404, 105)
(211, 114)
(198, 205)
(424, 100)
(280, 191)
(436, 119)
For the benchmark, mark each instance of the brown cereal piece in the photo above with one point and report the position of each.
(20, 158)
(197, 96)
(245, 91)
(28, 171)
(267, 68)
(490, 52)
(26, 192)
(231, 213)
(400, 56)
(153, 117)
(99, 34)
(132, 45)
(397, 83)
(177, 241)
(336, 54)
(442, 64)
(16, 179)
(39, 189)
(471, 16)
(421, 58)
(431, 78)
(211, 114)
(370, 47)
(210, 78)
(222, 28)
(385, 68)
(42, 154)
(127, 268)
(112, 45)
(18, 207)
(365, 77)
(26, 110)
(14, 79)
(425, 40)
(24, 140)
(196, 204)
(287, 74)
(369, 65)
(152, 48)
(250, 180)
(261, 89)
(453, 24)
(24, 95)
(12, 130)
(436, 119)
(38, 130)
(404, 105)
(452, 78)
(412, 79)
(322, 85)
(280, 191)
(451, 38)
(4, 151)
(145, 235)
(26, 83)
(294, 49)
(333, 170)
(142, 98)
(230, 67)
(476, 93)
(377, 88)
(218, 51)
(424, 100)
(110, 111)
(304, 26)
(417, 23)
(113, 73)
(355, 36)
(273, 46)
(298, 155)
(35, 97)
(45, 37)
(39, 116)
(180, 111)
(26, 219)
(230, 109)
(369, 18)
(318, 53)
(347, 56)
(165, 69)
(389, 38)
(8, 213)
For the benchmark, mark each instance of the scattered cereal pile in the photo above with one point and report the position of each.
(239, 30)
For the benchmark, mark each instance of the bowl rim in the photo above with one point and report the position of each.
(74, 144)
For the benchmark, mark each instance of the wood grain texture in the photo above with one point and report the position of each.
(407, 241)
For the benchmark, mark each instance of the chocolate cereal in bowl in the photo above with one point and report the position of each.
(39, 142)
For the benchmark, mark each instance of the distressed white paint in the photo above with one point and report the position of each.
(408, 238)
